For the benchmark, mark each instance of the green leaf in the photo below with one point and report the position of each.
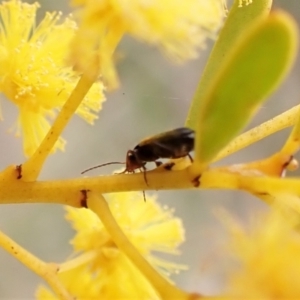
(235, 25)
(256, 64)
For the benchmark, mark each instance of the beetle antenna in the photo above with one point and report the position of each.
(144, 195)
(110, 163)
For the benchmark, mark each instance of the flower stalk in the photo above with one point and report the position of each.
(32, 167)
(48, 271)
(166, 290)
(282, 121)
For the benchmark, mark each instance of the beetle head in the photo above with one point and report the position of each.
(132, 161)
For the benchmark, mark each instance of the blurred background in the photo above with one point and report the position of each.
(154, 96)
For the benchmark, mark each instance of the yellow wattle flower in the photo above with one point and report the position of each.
(267, 256)
(80, 281)
(177, 27)
(119, 279)
(33, 71)
(149, 227)
(107, 272)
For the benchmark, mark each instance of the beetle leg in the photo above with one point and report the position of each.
(158, 163)
(169, 166)
(143, 169)
(145, 178)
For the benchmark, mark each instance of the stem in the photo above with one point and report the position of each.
(292, 144)
(280, 122)
(77, 261)
(68, 192)
(164, 287)
(32, 167)
(48, 271)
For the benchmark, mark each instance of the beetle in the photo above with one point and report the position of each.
(175, 143)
